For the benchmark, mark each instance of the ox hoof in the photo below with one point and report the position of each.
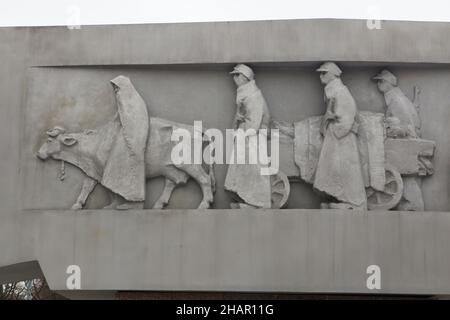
(159, 205)
(111, 206)
(77, 206)
(130, 206)
(204, 205)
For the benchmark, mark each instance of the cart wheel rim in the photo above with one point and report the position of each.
(280, 190)
(390, 196)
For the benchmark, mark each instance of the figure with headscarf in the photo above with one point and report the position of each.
(124, 173)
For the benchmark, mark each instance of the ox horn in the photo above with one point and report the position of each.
(55, 131)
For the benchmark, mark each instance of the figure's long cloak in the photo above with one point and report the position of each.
(124, 172)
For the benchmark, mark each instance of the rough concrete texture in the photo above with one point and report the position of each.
(182, 73)
(256, 250)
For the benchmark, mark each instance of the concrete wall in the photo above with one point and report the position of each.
(272, 250)
(181, 71)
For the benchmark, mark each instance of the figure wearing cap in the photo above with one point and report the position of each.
(339, 173)
(252, 112)
(402, 121)
(401, 115)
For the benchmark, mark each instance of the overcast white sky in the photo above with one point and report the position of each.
(85, 12)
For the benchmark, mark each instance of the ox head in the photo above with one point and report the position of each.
(57, 140)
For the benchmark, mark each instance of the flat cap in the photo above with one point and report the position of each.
(387, 76)
(330, 67)
(244, 70)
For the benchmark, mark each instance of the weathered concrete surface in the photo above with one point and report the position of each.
(14, 53)
(171, 62)
(232, 250)
(231, 42)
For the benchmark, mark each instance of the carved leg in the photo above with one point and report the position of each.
(88, 186)
(114, 202)
(203, 179)
(119, 203)
(129, 205)
(163, 200)
(345, 206)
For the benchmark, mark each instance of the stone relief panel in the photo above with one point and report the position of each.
(124, 152)
(355, 159)
(103, 148)
(381, 166)
(343, 154)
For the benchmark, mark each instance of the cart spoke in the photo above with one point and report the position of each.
(388, 192)
(390, 179)
(378, 197)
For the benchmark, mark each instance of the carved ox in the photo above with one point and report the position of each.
(90, 150)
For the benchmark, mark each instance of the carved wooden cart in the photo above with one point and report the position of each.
(384, 160)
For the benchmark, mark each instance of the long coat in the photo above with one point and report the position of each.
(124, 172)
(246, 180)
(339, 172)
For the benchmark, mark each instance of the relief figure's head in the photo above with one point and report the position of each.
(328, 72)
(122, 86)
(386, 81)
(242, 74)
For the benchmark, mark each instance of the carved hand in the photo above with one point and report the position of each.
(327, 118)
(240, 118)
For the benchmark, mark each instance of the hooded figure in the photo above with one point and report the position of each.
(124, 171)
(339, 173)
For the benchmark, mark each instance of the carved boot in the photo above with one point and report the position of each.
(239, 205)
(324, 205)
(130, 205)
(345, 206)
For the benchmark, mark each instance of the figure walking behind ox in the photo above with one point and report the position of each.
(245, 180)
(339, 173)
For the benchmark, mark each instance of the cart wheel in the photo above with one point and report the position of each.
(390, 196)
(280, 190)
